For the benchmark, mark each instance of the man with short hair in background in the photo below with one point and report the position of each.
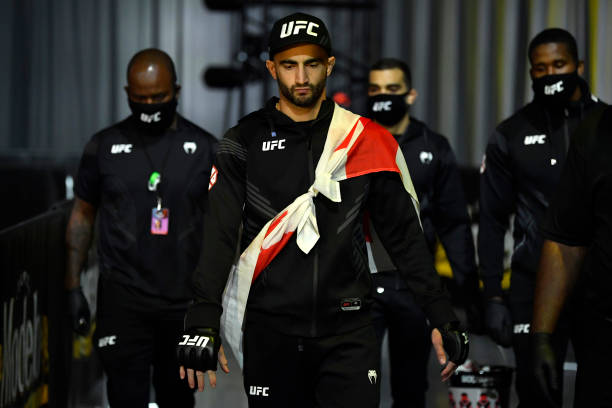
(146, 180)
(444, 216)
(519, 174)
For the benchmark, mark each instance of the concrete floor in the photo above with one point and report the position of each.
(229, 392)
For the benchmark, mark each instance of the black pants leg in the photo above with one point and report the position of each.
(409, 344)
(131, 336)
(522, 313)
(287, 371)
(170, 390)
(593, 381)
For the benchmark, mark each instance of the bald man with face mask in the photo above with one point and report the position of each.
(146, 180)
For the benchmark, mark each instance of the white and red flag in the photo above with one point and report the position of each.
(354, 146)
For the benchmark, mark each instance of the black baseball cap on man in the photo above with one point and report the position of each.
(298, 28)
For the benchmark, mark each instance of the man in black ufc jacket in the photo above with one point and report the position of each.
(145, 179)
(520, 172)
(444, 215)
(308, 336)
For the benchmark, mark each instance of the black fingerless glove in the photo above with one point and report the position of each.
(455, 342)
(544, 368)
(499, 322)
(78, 311)
(199, 349)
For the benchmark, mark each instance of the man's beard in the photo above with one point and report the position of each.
(305, 101)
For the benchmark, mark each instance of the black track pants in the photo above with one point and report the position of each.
(133, 336)
(287, 371)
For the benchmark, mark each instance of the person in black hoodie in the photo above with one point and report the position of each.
(520, 172)
(308, 336)
(444, 215)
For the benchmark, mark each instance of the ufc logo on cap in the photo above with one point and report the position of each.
(263, 391)
(200, 341)
(382, 106)
(554, 88)
(156, 117)
(294, 27)
(273, 144)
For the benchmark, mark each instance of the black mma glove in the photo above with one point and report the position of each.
(455, 342)
(78, 311)
(544, 367)
(199, 349)
(499, 322)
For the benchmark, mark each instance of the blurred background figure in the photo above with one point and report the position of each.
(519, 174)
(443, 211)
(146, 179)
(578, 231)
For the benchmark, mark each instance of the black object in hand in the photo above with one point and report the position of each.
(456, 342)
(544, 367)
(78, 311)
(198, 349)
(499, 322)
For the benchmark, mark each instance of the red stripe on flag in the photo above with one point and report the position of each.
(374, 151)
(348, 137)
(266, 255)
(276, 221)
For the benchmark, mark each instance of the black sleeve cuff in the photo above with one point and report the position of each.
(440, 312)
(203, 315)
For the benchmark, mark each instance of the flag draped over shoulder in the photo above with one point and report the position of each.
(354, 146)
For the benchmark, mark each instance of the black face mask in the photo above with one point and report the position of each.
(155, 117)
(555, 89)
(387, 109)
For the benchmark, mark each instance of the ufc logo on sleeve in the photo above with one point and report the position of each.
(200, 341)
(294, 27)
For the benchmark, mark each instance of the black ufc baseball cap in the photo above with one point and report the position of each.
(298, 28)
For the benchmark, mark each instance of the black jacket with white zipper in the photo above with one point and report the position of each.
(263, 164)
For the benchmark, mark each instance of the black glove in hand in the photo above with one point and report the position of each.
(199, 349)
(78, 311)
(544, 368)
(455, 342)
(499, 322)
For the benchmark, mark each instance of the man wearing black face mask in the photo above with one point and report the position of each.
(519, 174)
(444, 215)
(146, 178)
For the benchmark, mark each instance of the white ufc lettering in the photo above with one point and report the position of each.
(273, 144)
(256, 390)
(156, 117)
(533, 139)
(294, 27)
(554, 88)
(382, 106)
(521, 328)
(107, 341)
(121, 148)
(200, 341)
